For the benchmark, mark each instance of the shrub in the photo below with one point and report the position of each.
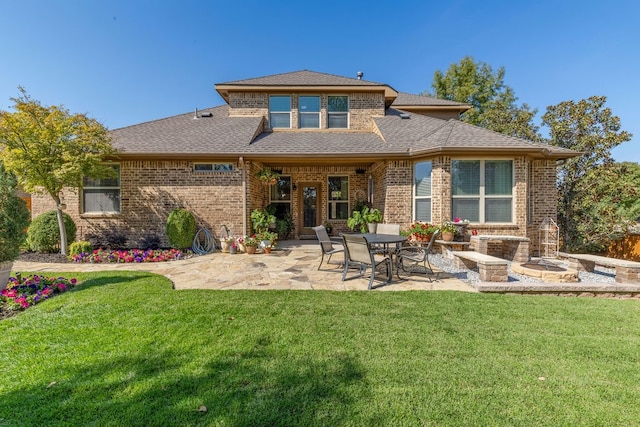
(150, 241)
(181, 228)
(80, 247)
(14, 217)
(44, 235)
(107, 238)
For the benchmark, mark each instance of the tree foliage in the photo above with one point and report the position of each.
(595, 196)
(48, 148)
(493, 104)
(14, 217)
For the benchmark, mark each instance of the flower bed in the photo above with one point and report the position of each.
(22, 293)
(131, 255)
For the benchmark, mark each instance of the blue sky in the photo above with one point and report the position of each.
(126, 62)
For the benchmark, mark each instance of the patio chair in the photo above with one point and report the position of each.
(415, 259)
(388, 229)
(326, 244)
(360, 254)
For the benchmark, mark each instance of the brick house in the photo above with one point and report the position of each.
(336, 141)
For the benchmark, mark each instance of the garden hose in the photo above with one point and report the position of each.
(203, 242)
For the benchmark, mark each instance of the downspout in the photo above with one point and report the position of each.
(244, 195)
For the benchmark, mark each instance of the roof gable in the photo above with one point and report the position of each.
(302, 78)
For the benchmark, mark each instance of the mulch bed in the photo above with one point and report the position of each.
(37, 257)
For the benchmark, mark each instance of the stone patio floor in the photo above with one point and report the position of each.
(293, 265)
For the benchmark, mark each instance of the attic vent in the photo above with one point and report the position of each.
(405, 116)
(207, 114)
(359, 74)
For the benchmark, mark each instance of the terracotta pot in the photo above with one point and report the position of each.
(250, 249)
(5, 273)
(267, 250)
(447, 236)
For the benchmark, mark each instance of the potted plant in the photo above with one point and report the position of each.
(225, 243)
(14, 218)
(267, 240)
(420, 231)
(461, 228)
(261, 220)
(251, 244)
(364, 219)
(448, 229)
(268, 176)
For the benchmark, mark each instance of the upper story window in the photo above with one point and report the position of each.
(101, 195)
(338, 111)
(212, 167)
(309, 111)
(280, 111)
(422, 191)
(482, 190)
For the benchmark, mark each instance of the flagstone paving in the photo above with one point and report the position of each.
(293, 265)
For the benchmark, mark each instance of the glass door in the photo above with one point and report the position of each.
(310, 203)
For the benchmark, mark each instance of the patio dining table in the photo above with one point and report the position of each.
(386, 240)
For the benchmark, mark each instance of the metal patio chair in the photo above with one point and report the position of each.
(326, 244)
(358, 253)
(415, 259)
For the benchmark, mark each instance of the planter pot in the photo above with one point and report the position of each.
(447, 236)
(242, 247)
(251, 249)
(372, 227)
(224, 246)
(267, 249)
(233, 249)
(5, 273)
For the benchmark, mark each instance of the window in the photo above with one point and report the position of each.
(309, 111)
(482, 190)
(338, 112)
(280, 111)
(280, 197)
(212, 167)
(102, 195)
(338, 197)
(422, 191)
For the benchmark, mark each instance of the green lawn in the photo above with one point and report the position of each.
(125, 349)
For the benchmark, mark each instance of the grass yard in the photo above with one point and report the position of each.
(125, 349)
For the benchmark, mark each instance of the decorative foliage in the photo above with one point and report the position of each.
(181, 228)
(22, 293)
(268, 176)
(76, 248)
(132, 255)
(360, 219)
(44, 233)
(65, 147)
(420, 230)
(261, 220)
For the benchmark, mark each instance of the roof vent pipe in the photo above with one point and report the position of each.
(195, 114)
(359, 74)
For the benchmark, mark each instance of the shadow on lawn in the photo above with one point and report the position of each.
(242, 389)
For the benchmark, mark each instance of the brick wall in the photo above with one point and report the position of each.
(362, 106)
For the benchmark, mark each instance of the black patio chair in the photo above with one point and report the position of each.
(326, 244)
(415, 259)
(358, 253)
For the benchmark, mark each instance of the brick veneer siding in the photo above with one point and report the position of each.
(543, 198)
(150, 190)
(362, 107)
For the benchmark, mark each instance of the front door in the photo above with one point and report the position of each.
(310, 203)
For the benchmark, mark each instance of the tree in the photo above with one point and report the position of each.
(493, 104)
(591, 128)
(49, 148)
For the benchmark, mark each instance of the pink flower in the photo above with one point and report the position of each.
(74, 281)
(62, 287)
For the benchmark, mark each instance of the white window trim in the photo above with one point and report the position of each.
(91, 187)
(333, 203)
(280, 112)
(319, 112)
(416, 197)
(340, 112)
(482, 196)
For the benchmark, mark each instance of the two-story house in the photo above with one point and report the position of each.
(336, 141)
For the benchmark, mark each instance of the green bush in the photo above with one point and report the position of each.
(14, 217)
(181, 228)
(80, 247)
(44, 234)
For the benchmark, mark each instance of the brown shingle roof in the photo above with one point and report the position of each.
(406, 99)
(302, 78)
